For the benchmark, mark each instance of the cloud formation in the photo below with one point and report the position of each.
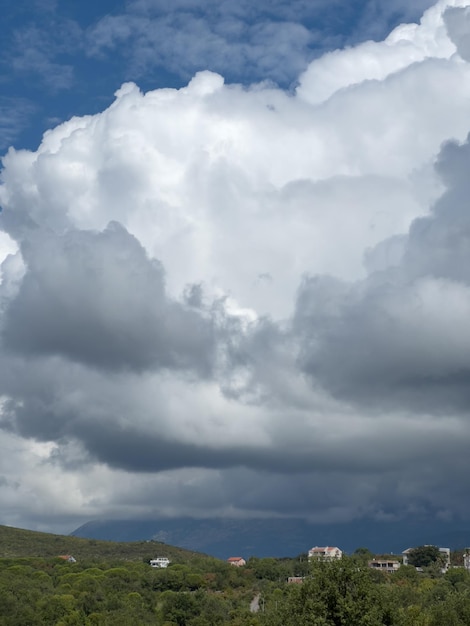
(212, 292)
(97, 299)
(49, 46)
(62, 59)
(274, 40)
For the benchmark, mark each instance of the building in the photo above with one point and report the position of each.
(466, 558)
(238, 561)
(444, 552)
(295, 580)
(160, 561)
(326, 553)
(384, 566)
(68, 557)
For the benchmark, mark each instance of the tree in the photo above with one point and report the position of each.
(424, 556)
(363, 554)
(179, 607)
(269, 568)
(339, 593)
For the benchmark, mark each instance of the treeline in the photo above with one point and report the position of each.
(51, 591)
(209, 592)
(347, 593)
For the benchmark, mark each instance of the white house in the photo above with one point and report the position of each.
(160, 561)
(466, 558)
(326, 553)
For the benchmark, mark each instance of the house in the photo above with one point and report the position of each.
(444, 552)
(326, 553)
(68, 557)
(238, 561)
(466, 558)
(160, 561)
(384, 566)
(295, 580)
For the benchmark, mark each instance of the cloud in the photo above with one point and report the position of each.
(456, 19)
(181, 43)
(399, 337)
(96, 298)
(217, 291)
(406, 44)
(14, 116)
(37, 52)
(58, 61)
(272, 40)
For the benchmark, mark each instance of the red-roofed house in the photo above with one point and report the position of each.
(238, 561)
(326, 553)
(67, 557)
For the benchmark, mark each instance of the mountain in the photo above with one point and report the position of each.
(278, 537)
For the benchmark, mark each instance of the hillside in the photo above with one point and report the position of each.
(17, 542)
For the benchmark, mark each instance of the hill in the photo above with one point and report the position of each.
(17, 542)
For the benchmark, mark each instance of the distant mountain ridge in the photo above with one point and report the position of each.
(278, 537)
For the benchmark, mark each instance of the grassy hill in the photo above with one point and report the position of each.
(17, 543)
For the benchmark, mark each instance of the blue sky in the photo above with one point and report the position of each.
(234, 252)
(61, 59)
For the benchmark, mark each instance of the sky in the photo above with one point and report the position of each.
(234, 261)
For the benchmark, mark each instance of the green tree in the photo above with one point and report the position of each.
(339, 593)
(424, 556)
(269, 568)
(179, 607)
(54, 608)
(459, 578)
(363, 554)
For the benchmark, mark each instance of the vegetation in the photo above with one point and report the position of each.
(16, 542)
(424, 556)
(347, 593)
(112, 584)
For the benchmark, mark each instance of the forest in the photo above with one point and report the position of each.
(104, 587)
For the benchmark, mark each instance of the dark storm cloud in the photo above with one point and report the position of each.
(97, 298)
(394, 341)
(124, 429)
(399, 339)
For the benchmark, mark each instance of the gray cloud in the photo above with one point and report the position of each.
(399, 338)
(97, 298)
(457, 21)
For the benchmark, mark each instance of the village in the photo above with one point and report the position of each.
(389, 564)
